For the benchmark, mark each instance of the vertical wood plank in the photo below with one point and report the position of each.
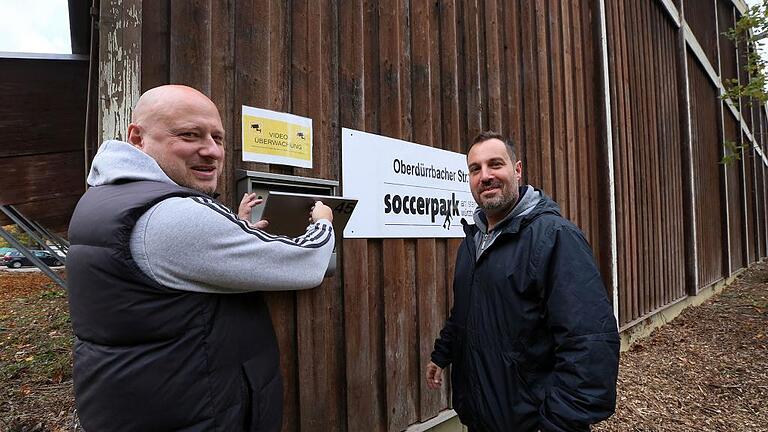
(251, 73)
(579, 216)
(637, 150)
(630, 291)
(371, 65)
(652, 167)
(429, 310)
(119, 65)
(453, 134)
(513, 78)
(389, 68)
(303, 72)
(544, 89)
(223, 89)
(399, 291)
(430, 316)
(155, 44)
(404, 48)
(282, 309)
(363, 368)
(492, 65)
(571, 193)
(321, 365)
(433, 18)
(422, 74)
(666, 236)
(476, 115)
(592, 228)
(361, 338)
(531, 93)
(190, 50)
(399, 312)
(558, 139)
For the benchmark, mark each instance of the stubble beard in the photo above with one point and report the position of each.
(499, 206)
(190, 183)
(503, 201)
(204, 189)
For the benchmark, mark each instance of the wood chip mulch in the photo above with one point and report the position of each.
(707, 370)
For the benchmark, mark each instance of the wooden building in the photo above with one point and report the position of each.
(42, 125)
(614, 106)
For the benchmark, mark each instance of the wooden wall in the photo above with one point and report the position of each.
(684, 219)
(42, 118)
(436, 73)
(707, 145)
(647, 156)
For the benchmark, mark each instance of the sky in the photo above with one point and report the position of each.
(38, 26)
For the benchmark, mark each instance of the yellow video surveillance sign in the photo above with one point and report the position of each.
(276, 137)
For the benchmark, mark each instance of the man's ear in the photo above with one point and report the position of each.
(519, 170)
(134, 135)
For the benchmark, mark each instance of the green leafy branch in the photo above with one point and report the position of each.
(732, 152)
(749, 30)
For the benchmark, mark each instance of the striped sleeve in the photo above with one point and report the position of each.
(197, 244)
(313, 238)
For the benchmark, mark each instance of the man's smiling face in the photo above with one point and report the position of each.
(181, 129)
(493, 176)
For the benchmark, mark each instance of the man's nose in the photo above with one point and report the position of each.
(212, 149)
(486, 175)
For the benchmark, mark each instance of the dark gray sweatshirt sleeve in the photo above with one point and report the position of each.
(196, 244)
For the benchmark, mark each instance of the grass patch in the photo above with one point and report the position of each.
(35, 356)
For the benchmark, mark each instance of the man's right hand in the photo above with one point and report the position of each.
(320, 211)
(434, 376)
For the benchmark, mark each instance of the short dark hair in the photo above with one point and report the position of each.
(486, 135)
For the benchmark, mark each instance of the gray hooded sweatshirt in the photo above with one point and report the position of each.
(529, 197)
(196, 244)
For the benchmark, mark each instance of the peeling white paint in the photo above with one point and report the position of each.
(119, 65)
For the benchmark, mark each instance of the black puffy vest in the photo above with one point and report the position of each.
(151, 358)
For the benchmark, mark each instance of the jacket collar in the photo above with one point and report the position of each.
(532, 204)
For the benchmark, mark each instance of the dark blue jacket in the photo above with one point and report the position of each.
(531, 337)
(151, 358)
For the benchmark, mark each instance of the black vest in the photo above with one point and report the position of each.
(151, 358)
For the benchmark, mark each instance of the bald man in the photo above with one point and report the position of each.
(171, 329)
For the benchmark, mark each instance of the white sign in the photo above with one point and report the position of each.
(403, 189)
(276, 137)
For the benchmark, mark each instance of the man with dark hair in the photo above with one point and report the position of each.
(171, 329)
(531, 338)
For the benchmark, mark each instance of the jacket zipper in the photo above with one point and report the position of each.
(482, 243)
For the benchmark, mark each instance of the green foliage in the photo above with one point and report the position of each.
(732, 152)
(19, 234)
(750, 30)
(53, 294)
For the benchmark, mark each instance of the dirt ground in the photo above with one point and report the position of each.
(705, 371)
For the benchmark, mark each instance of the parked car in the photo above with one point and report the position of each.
(17, 259)
(5, 250)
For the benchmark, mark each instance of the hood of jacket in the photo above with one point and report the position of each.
(118, 162)
(532, 204)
